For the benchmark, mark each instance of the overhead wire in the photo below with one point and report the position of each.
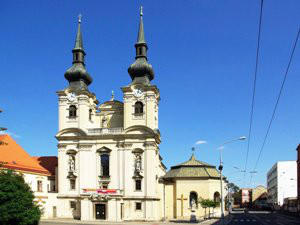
(276, 104)
(254, 87)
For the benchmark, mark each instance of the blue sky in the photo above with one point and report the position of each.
(203, 54)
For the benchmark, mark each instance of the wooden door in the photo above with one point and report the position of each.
(100, 212)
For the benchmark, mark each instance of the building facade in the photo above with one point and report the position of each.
(282, 182)
(108, 155)
(40, 178)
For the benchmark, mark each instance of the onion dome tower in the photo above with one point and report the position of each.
(141, 71)
(77, 75)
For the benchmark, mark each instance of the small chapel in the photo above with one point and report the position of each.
(186, 184)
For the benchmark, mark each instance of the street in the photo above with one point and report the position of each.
(263, 218)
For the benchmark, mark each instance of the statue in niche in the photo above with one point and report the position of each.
(104, 122)
(193, 203)
(71, 163)
(138, 163)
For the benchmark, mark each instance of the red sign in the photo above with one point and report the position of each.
(99, 191)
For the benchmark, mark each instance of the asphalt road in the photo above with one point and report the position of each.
(263, 218)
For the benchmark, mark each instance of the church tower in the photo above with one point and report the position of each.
(77, 105)
(141, 98)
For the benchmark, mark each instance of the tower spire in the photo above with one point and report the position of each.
(141, 71)
(78, 40)
(141, 35)
(77, 75)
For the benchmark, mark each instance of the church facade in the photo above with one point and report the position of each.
(109, 161)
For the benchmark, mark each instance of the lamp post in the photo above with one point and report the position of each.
(221, 168)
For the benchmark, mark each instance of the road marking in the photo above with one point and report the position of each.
(242, 220)
(253, 220)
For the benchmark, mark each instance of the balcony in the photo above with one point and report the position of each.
(105, 131)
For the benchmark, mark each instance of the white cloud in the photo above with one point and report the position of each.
(10, 133)
(201, 142)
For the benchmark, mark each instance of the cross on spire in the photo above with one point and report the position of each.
(141, 12)
(79, 18)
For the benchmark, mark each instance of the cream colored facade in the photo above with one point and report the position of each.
(116, 131)
(109, 160)
(185, 179)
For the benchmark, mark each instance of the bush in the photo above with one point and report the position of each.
(16, 201)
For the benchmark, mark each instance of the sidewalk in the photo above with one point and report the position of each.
(72, 221)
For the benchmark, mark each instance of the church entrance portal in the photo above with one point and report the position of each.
(100, 212)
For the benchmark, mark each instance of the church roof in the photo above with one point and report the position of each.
(194, 162)
(47, 162)
(193, 168)
(14, 157)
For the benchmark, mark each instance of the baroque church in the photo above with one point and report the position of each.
(109, 165)
(109, 161)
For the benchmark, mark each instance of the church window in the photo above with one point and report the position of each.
(72, 111)
(72, 184)
(73, 205)
(76, 56)
(90, 114)
(138, 185)
(104, 165)
(216, 197)
(140, 51)
(138, 206)
(138, 108)
(39, 186)
(193, 200)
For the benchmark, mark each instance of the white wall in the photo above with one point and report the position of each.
(287, 180)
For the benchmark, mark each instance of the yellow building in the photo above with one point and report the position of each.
(186, 184)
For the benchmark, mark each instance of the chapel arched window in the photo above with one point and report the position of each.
(138, 108)
(217, 197)
(72, 111)
(193, 200)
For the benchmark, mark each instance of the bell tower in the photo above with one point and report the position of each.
(141, 98)
(77, 104)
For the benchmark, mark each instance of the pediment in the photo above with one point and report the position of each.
(139, 129)
(71, 132)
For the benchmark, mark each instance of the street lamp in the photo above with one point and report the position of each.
(221, 168)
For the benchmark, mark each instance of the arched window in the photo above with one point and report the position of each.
(72, 111)
(138, 108)
(216, 197)
(104, 165)
(193, 200)
(90, 114)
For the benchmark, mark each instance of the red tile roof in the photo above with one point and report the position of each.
(48, 162)
(14, 157)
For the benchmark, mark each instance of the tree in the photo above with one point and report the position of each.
(16, 201)
(207, 203)
(233, 188)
